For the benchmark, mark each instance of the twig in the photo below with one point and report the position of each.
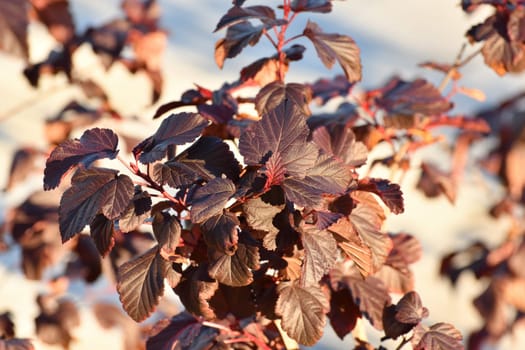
(403, 343)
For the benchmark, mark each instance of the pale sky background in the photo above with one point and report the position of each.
(394, 36)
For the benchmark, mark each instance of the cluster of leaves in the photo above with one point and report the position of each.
(499, 265)
(276, 244)
(501, 33)
(138, 29)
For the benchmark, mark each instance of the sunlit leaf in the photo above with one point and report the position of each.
(303, 312)
(93, 144)
(332, 47)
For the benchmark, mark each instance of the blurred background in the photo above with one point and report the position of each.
(394, 37)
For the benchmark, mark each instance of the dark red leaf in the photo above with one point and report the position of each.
(58, 60)
(322, 6)
(389, 192)
(332, 47)
(207, 158)
(440, 336)
(93, 144)
(108, 40)
(391, 326)
(102, 231)
(210, 199)
(339, 142)
(177, 129)
(13, 28)
(343, 313)
(184, 331)
(282, 131)
(196, 289)
(137, 211)
(167, 230)
(220, 233)
(503, 48)
(22, 166)
(434, 181)
(303, 311)
(410, 309)
(141, 283)
(275, 171)
(238, 14)
(275, 94)
(93, 191)
(370, 294)
(408, 98)
(7, 327)
(234, 270)
(57, 18)
(320, 254)
(325, 219)
(238, 36)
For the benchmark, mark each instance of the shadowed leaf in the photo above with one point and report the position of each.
(322, 6)
(177, 129)
(235, 270)
(343, 313)
(237, 14)
(210, 199)
(207, 158)
(93, 191)
(410, 309)
(102, 231)
(167, 230)
(238, 36)
(390, 193)
(220, 233)
(195, 289)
